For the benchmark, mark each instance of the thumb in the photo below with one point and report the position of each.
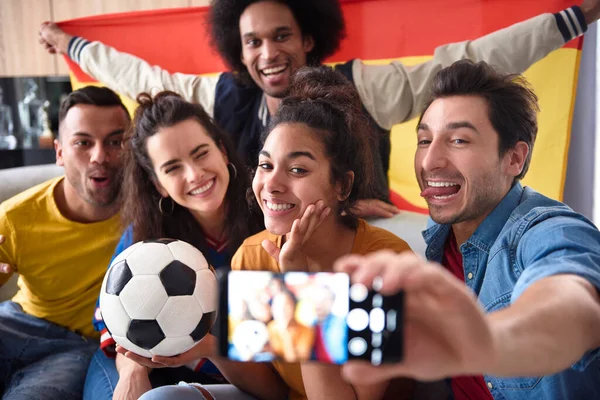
(1, 239)
(271, 248)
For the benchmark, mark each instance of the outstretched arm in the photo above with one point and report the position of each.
(395, 93)
(550, 326)
(125, 73)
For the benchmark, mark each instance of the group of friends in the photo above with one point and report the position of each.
(273, 166)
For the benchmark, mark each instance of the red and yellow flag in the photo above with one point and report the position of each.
(378, 31)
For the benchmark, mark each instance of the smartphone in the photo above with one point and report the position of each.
(303, 316)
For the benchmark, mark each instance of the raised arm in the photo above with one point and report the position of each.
(125, 73)
(395, 92)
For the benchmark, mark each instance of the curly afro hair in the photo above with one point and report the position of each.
(321, 19)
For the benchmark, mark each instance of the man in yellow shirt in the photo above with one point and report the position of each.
(59, 237)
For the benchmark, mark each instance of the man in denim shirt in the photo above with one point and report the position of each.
(527, 323)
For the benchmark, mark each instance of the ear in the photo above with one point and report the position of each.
(514, 159)
(308, 43)
(59, 150)
(343, 189)
(160, 188)
(224, 152)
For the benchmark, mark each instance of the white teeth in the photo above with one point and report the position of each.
(274, 70)
(441, 184)
(204, 188)
(278, 206)
(443, 197)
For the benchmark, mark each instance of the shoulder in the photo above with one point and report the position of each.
(31, 199)
(252, 256)
(536, 209)
(370, 238)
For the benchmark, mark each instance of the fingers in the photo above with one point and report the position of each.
(375, 208)
(390, 269)
(175, 361)
(271, 248)
(146, 362)
(363, 373)
(311, 219)
(2, 239)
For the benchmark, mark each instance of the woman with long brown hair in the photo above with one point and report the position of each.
(182, 180)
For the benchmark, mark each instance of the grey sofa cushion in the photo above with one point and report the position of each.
(16, 180)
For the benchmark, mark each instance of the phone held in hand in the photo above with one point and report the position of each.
(304, 316)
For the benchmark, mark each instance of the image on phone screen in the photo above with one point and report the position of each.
(300, 316)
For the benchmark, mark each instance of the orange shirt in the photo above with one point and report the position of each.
(251, 256)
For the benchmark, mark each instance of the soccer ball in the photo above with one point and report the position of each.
(159, 297)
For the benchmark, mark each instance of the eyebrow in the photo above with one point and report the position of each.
(113, 133)
(175, 160)
(291, 155)
(279, 29)
(450, 126)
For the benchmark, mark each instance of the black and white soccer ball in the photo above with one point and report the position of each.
(159, 297)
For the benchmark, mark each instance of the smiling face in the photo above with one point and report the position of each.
(293, 173)
(190, 168)
(457, 163)
(273, 47)
(88, 148)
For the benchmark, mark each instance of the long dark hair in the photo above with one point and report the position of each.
(140, 196)
(327, 102)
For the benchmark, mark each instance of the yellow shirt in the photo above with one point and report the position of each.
(60, 263)
(251, 256)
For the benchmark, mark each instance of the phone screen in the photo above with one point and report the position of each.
(293, 317)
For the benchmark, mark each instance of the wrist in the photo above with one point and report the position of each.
(62, 43)
(589, 14)
(129, 368)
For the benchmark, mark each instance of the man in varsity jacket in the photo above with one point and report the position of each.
(264, 42)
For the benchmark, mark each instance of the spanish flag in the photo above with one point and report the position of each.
(378, 31)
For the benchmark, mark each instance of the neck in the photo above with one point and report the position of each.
(328, 243)
(212, 224)
(272, 104)
(73, 207)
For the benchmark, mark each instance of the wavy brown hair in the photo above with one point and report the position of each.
(325, 101)
(140, 196)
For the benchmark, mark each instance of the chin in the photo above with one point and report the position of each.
(277, 228)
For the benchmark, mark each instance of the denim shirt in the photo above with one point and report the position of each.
(528, 237)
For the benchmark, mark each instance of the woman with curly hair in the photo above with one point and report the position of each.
(265, 41)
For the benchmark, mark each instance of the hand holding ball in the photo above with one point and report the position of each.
(159, 297)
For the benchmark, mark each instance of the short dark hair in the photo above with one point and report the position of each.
(320, 19)
(93, 95)
(325, 101)
(512, 104)
(140, 196)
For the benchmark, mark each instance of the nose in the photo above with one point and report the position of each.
(274, 182)
(435, 157)
(100, 155)
(194, 174)
(270, 50)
